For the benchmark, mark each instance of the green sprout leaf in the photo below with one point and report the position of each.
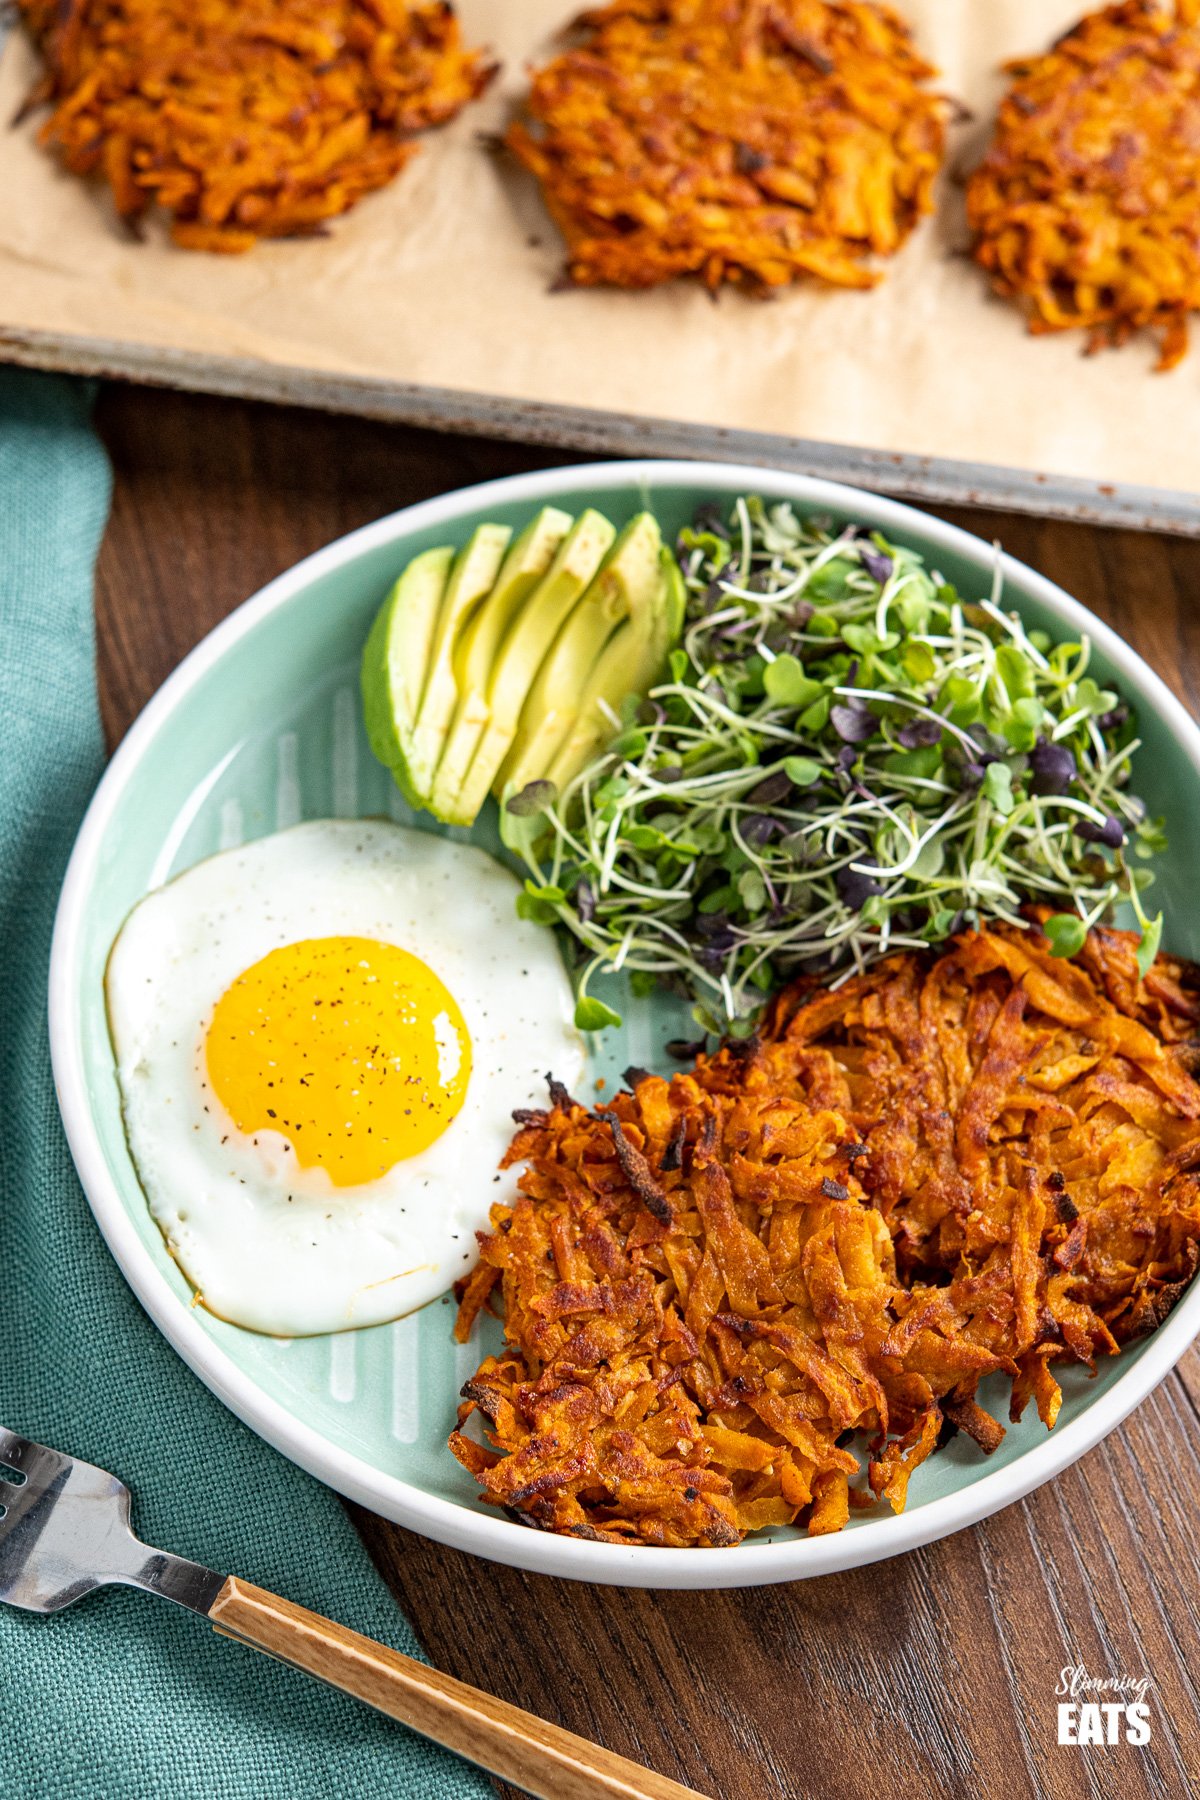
(931, 861)
(997, 785)
(960, 697)
(593, 1015)
(1148, 948)
(867, 641)
(533, 798)
(786, 683)
(718, 899)
(1022, 724)
(939, 925)
(924, 764)
(538, 912)
(918, 662)
(752, 890)
(802, 771)
(1096, 699)
(1067, 933)
(1016, 671)
(823, 625)
(646, 837)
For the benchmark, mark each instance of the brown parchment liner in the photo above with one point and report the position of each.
(445, 280)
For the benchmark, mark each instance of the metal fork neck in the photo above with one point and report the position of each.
(173, 1577)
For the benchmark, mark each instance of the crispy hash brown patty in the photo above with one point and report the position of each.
(952, 1166)
(1087, 205)
(737, 140)
(246, 119)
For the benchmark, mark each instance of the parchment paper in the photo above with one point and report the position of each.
(444, 279)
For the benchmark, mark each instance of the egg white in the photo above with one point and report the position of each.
(268, 1244)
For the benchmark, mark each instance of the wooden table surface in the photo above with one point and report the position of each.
(931, 1674)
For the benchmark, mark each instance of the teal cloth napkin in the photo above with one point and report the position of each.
(125, 1696)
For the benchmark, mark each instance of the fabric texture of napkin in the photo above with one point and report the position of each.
(124, 1697)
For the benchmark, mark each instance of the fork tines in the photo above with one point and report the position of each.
(27, 1459)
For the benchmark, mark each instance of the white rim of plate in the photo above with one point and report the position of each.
(748, 1564)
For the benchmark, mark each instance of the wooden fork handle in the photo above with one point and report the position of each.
(534, 1755)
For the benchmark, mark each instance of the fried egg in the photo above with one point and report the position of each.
(320, 1040)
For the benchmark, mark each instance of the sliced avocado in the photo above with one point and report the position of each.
(475, 655)
(676, 598)
(532, 632)
(630, 581)
(396, 658)
(629, 663)
(471, 580)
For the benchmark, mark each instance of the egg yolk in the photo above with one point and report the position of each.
(352, 1050)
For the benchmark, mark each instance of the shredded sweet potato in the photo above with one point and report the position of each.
(1087, 205)
(978, 1162)
(750, 141)
(246, 119)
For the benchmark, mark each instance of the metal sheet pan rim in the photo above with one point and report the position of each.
(940, 479)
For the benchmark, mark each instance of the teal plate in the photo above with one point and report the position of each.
(260, 728)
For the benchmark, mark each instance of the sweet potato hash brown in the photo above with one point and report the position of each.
(745, 141)
(955, 1165)
(1087, 205)
(246, 119)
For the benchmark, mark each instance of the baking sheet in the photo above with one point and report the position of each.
(432, 301)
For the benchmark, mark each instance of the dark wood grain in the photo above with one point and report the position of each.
(931, 1674)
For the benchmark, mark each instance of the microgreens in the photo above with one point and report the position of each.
(845, 758)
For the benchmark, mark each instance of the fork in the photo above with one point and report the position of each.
(65, 1530)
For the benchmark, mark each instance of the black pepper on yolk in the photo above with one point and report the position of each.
(352, 1050)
